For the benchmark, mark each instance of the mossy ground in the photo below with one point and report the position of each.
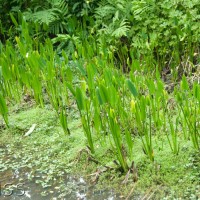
(51, 152)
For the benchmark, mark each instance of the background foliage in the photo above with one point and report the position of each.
(163, 30)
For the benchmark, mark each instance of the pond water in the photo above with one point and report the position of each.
(24, 183)
(16, 185)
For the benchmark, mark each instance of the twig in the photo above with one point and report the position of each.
(146, 195)
(130, 193)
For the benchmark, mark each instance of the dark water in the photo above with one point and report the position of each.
(20, 182)
(25, 183)
(16, 185)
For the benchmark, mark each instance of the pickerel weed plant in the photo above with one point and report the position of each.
(143, 119)
(114, 119)
(3, 109)
(117, 137)
(188, 101)
(84, 108)
(172, 135)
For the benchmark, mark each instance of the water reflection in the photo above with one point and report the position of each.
(16, 185)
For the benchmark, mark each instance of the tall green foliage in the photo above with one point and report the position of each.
(114, 107)
(164, 29)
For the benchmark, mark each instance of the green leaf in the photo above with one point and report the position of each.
(71, 89)
(104, 93)
(132, 88)
(13, 19)
(3, 109)
(80, 99)
(99, 96)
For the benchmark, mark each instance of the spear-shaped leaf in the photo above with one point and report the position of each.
(132, 88)
(3, 109)
(80, 99)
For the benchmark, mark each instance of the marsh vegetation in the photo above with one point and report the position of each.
(121, 78)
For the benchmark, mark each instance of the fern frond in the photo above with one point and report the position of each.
(122, 30)
(45, 16)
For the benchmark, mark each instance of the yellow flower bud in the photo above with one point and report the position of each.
(132, 105)
(112, 112)
(76, 54)
(17, 39)
(148, 100)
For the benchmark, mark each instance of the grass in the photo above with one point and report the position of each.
(49, 151)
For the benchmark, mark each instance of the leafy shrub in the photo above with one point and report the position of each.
(158, 27)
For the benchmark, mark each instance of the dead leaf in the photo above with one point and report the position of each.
(30, 130)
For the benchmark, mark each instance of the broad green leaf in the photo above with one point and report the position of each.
(3, 109)
(132, 88)
(104, 93)
(80, 99)
(99, 96)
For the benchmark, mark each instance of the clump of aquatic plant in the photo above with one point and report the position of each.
(189, 104)
(3, 109)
